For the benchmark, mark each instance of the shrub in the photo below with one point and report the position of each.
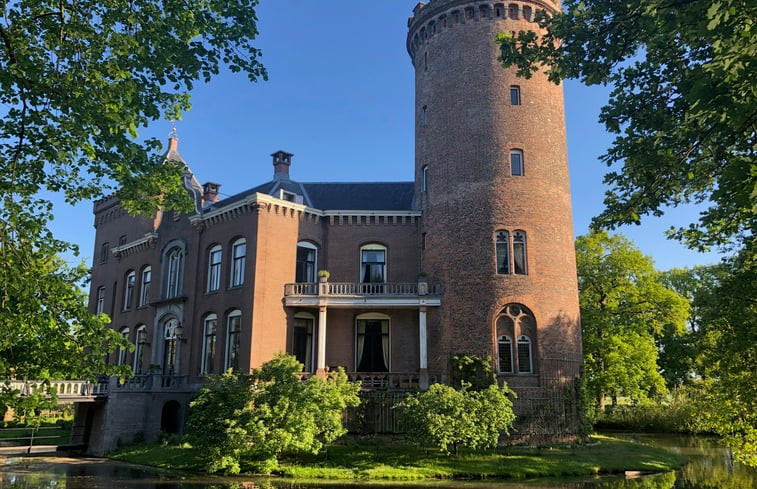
(252, 419)
(472, 371)
(450, 418)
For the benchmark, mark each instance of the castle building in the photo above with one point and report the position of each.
(475, 256)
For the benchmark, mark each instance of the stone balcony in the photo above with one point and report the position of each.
(349, 294)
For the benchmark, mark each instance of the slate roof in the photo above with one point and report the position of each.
(347, 196)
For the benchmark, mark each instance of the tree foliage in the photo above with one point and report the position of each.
(624, 307)
(450, 418)
(683, 104)
(252, 419)
(472, 371)
(77, 81)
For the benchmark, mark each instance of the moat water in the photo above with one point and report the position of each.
(710, 466)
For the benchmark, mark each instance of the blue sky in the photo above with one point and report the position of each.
(340, 97)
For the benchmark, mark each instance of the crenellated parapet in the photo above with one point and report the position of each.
(433, 18)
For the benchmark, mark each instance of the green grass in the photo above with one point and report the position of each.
(383, 460)
(52, 433)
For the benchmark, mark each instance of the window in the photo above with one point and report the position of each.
(170, 341)
(302, 340)
(209, 344)
(527, 13)
(524, 355)
(519, 253)
(122, 351)
(373, 264)
(372, 343)
(516, 163)
(140, 341)
(122, 240)
(425, 61)
(131, 283)
(104, 250)
(515, 95)
(238, 252)
(423, 241)
(424, 116)
(288, 196)
(503, 252)
(174, 270)
(144, 297)
(100, 305)
(233, 337)
(424, 178)
(214, 268)
(513, 12)
(505, 353)
(516, 321)
(306, 262)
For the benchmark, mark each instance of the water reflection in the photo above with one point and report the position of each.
(710, 467)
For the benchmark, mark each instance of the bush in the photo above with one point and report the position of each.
(252, 419)
(675, 413)
(450, 418)
(472, 372)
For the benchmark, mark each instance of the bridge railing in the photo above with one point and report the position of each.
(62, 388)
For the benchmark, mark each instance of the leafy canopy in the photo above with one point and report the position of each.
(249, 420)
(683, 104)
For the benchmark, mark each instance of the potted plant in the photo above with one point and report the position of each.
(422, 283)
(323, 275)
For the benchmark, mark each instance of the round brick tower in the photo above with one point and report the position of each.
(492, 181)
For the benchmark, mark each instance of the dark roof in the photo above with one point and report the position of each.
(347, 196)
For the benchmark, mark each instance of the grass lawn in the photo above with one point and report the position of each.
(355, 458)
(47, 434)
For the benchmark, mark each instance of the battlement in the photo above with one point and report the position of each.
(430, 19)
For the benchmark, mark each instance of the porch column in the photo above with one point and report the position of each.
(423, 377)
(320, 359)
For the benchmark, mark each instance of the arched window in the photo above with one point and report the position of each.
(527, 13)
(373, 264)
(513, 11)
(516, 163)
(169, 346)
(307, 259)
(503, 252)
(144, 295)
(519, 253)
(130, 285)
(525, 365)
(372, 343)
(505, 354)
(174, 271)
(122, 351)
(302, 340)
(238, 254)
(209, 344)
(424, 178)
(214, 268)
(233, 339)
(140, 341)
(516, 321)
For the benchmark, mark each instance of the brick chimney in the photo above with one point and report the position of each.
(210, 192)
(281, 162)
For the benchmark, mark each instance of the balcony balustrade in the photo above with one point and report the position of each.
(358, 289)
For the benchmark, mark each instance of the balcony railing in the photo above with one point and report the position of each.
(354, 289)
(391, 381)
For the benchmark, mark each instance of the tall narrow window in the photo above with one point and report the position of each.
(104, 250)
(425, 61)
(174, 270)
(140, 341)
(515, 95)
(100, 305)
(302, 342)
(372, 343)
(424, 116)
(170, 346)
(516, 162)
(519, 253)
(144, 296)
(238, 252)
(503, 252)
(209, 344)
(306, 262)
(233, 339)
(524, 355)
(505, 353)
(131, 283)
(513, 12)
(214, 268)
(424, 178)
(527, 13)
(122, 351)
(373, 264)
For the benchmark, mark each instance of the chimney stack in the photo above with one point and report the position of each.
(281, 162)
(210, 192)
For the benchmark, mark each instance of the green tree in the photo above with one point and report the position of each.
(77, 80)
(252, 419)
(683, 104)
(624, 307)
(449, 418)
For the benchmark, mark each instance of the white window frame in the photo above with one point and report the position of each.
(517, 163)
(130, 284)
(100, 301)
(174, 271)
(144, 291)
(211, 321)
(215, 260)
(520, 247)
(238, 262)
(515, 95)
(310, 246)
(228, 361)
